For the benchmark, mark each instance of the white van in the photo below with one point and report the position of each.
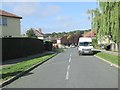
(85, 46)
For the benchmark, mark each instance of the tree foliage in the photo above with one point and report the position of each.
(69, 36)
(30, 33)
(106, 20)
(61, 34)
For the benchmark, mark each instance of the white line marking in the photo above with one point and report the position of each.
(69, 60)
(68, 67)
(67, 75)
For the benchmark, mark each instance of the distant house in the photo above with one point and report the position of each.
(47, 37)
(101, 40)
(90, 34)
(59, 42)
(9, 24)
(38, 33)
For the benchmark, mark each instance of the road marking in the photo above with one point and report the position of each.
(68, 67)
(69, 59)
(67, 75)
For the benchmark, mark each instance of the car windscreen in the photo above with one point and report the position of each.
(85, 44)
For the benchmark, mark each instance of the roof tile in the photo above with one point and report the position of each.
(90, 34)
(4, 13)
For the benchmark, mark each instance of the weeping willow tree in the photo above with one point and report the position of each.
(95, 17)
(106, 20)
(110, 19)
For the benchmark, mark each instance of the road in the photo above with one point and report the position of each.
(69, 70)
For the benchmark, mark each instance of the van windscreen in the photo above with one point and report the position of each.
(85, 44)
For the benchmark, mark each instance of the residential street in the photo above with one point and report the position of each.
(69, 70)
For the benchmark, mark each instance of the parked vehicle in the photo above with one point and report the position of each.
(72, 46)
(85, 46)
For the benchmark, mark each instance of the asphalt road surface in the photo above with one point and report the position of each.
(69, 70)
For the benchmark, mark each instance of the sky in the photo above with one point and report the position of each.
(51, 16)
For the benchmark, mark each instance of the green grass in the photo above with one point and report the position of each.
(109, 57)
(12, 70)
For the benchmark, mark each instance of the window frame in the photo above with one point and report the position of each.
(3, 21)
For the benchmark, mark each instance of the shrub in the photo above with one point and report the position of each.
(94, 42)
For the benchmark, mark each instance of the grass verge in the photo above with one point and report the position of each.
(10, 71)
(109, 57)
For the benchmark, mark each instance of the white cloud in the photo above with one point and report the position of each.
(25, 9)
(29, 8)
(49, 10)
(63, 18)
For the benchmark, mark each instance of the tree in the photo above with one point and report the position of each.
(30, 33)
(91, 14)
(69, 36)
(110, 18)
(106, 19)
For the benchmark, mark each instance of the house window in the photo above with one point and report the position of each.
(0, 21)
(3, 21)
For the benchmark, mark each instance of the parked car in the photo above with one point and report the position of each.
(85, 46)
(72, 46)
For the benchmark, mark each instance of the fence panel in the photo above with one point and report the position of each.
(20, 47)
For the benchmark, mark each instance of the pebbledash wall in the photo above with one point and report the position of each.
(13, 48)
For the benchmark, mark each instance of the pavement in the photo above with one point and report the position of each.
(14, 61)
(69, 70)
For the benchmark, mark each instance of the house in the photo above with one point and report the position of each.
(91, 34)
(47, 37)
(101, 40)
(57, 43)
(9, 24)
(38, 33)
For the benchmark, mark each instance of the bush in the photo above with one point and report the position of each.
(94, 42)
